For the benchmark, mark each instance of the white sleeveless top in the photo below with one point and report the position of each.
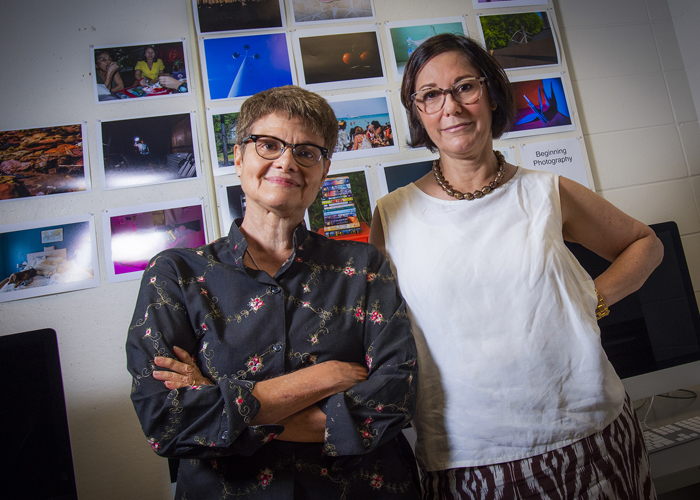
(509, 353)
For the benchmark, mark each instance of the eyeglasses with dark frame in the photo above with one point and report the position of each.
(466, 91)
(271, 148)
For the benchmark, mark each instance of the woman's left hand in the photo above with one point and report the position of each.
(184, 373)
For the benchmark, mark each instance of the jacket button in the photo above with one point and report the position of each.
(277, 347)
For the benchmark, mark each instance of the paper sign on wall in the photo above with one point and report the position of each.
(561, 157)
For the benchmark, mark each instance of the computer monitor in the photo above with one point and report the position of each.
(35, 458)
(652, 337)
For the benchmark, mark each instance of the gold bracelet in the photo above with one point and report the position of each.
(601, 309)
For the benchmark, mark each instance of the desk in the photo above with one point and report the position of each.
(678, 464)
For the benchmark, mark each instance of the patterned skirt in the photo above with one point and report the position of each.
(612, 464)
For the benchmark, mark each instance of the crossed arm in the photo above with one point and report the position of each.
(287, 400)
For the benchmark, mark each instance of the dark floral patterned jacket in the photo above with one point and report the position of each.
(330, 301)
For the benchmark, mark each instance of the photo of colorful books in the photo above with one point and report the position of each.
(339, 210)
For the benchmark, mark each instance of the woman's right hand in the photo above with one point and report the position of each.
(112, 68)
(183, 373)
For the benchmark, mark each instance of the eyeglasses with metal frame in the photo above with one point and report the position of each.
(271, 148)
(466, 91)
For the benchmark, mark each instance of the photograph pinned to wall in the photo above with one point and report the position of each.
(522, 40)
(561, 157)
(43, 161)
(321, 11)
(134, 235)
(407, 138)
(396, 174)
(129, 72)
(243, 65)
(152, 150)
(328, 60)
(541, 106)
(231, 201)
(406, 36)
(365, 125)
(215, 16)
(343, 208)
(47, 257)
(500, 4)
(221, 126)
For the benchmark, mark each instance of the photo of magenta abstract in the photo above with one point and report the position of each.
(541, 108)
(137, 234)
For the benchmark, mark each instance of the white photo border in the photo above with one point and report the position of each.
(195, 151)
(52, 289)
(390, 25)
(337, 84)
(218, 170)
(545, 130)
(223, 202)
(197, 27)
(537, 67)
(500, 4)
(350, 170)
(381, 169)
(86, 161)
(238, 34)
(364, 153)
(185, 56)
(324, 21)
(108, 214)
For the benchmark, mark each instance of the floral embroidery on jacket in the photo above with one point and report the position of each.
(242, 330)
(265, 477)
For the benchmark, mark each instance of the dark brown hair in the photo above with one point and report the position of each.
(311, 109)
(497, 84)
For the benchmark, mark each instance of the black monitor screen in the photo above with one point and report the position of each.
(35, 456)
(658, 326)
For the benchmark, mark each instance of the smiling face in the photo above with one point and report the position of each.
(150, 54)
(280, 186)
(458, 130)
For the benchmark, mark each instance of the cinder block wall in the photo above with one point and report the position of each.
(635, 88)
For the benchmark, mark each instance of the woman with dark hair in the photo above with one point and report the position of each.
(516, 397)
(275, 362)
(107, 75)
(147, 71)
(360, 140)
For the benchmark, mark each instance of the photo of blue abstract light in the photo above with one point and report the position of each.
(240, 66)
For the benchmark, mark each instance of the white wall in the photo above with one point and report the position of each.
(636, 112)
(686, 14)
